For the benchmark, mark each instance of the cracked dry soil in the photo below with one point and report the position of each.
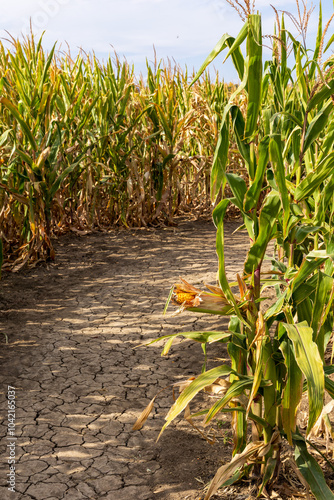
(81, 381)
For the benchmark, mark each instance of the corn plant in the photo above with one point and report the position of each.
(85, 145)
(285, 137)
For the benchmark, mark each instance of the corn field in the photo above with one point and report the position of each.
(87, 145)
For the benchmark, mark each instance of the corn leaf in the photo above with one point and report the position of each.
(313, 64)
(253, 193)
(221, 45)
(317, 125)
(268, 214)
(193, 389)
(306, 269)
(321, 96)
(218, 178)
(238, 187)
(292, 391)
(227, 471)
(25, 127)
(238, 127)
(254, 85)
(311, 470)
(218, 218)
(276, 157)
(237, 387)
(309, 361)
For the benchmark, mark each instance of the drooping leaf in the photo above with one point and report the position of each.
(194, 388)
(311, 470)
(227, 471)
(237, 387)
(221, 45)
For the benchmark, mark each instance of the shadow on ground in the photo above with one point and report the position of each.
(81, 380)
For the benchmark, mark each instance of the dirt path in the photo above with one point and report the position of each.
(80, 384)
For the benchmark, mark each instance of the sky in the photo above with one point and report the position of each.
(185, 31)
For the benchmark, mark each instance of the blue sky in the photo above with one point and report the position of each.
(182, 30)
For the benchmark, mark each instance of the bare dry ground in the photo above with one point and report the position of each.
(81, 380)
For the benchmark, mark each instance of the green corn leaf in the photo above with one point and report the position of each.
(254, 52)
(317, 125)
(303, 310)
(25, 127)
(327, 143)
(236, 388)
(321, 96)
(320, 254)
(253, 193)
(86, 113)
(284, 55)
(309, 361)
(292, 391)
(289, 116)
(300, 70)
(329, 43)
(218, 218)
(221, 45)
(328, 369)
(202, 337)
(258, 355)
(5, 137)
(238, 41)
(276, 157)
(61, 177)
(304, 231)
(313, 64)
(218, 179)
(238, 126)
(237, 58)
(238, 187)
(269, 382)
(276, 81)
(236, 350)
(267, 220)
(313, 180)
(311, 470)
(193, 389)
(275, 308)
(321, 306)
(46, 68)
(329, 384)
(305, 270)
